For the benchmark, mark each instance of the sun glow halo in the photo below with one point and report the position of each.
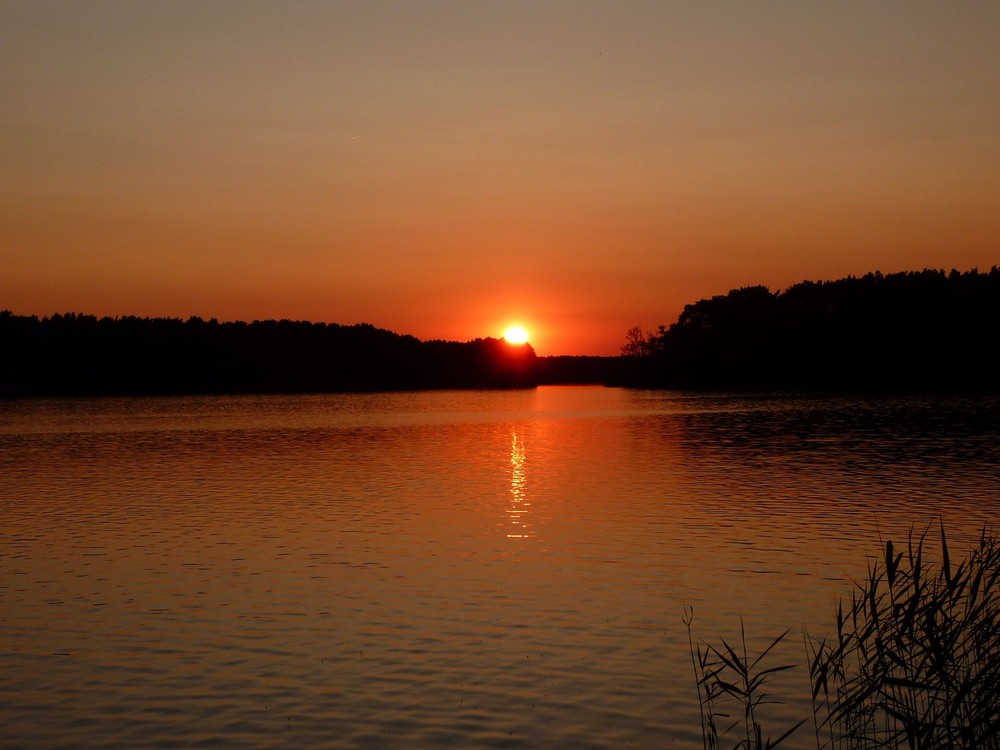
(515, 335)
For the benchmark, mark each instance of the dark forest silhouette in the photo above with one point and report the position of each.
(83, 355)
(916, 331)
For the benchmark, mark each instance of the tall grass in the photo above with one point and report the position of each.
(914, 662)
(732, 687)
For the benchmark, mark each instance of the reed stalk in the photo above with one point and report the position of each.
(732, 686)
(914, 660)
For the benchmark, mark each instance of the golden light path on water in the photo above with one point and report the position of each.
(518, 509)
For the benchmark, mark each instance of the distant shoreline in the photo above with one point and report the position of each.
(919, 332)
(916, 332)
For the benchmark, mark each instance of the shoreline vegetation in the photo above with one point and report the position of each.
(926, 331)
(914, 661)
(81, 355)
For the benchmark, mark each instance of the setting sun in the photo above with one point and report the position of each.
(516, 335)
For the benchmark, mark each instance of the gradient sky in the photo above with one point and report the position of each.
(447, 168)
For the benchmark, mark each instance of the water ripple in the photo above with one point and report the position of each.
(473, 570)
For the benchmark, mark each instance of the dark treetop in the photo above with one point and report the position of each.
(84, 355)
(923, 331)
(920, 331)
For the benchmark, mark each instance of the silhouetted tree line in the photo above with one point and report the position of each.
(576, 370)
(926, 330)
(76, 354)
(917, 331)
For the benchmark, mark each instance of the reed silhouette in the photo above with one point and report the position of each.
(914, 661)
(732, 687)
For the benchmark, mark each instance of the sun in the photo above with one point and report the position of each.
(515, 335)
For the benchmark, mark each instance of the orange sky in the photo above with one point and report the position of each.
(448, 168)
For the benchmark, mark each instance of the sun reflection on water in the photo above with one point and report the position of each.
(518, 509)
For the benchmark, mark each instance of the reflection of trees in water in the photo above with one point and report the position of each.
(518, 490)
(846, 461)
(900, 431)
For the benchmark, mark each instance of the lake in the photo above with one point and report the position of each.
(496, 569)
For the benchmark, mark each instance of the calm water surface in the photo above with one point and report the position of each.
(430, 570)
